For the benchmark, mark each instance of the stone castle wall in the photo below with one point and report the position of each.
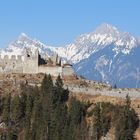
(29, 63)
(67, 70)
(11, 64)
(55, 71)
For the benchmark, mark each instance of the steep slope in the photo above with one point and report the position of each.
(106, 55)
(23, 41)
(104, 35)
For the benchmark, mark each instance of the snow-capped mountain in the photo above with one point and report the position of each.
(17, 47)
(104, 35)
(106, 55)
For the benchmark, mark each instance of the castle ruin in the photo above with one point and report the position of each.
(32, 63)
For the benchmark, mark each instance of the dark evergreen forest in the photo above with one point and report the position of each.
(49, 112)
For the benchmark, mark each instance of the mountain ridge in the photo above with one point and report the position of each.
(106, 55)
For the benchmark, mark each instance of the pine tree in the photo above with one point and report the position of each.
(61, 94)
(76, 110)
(28, 112)
(6, 109)
(127, 123)
(16, 111)
(97, 122)
(76, 117)
(47, 85)
(37, 120)
(23, 100)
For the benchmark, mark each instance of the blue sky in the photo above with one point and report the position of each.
(58, 22)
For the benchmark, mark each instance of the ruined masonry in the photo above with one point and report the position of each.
(32, 63)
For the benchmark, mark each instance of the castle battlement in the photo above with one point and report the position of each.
(11, 58)
(31, 62)
(20, 57)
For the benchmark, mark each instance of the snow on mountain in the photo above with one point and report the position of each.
(104, 35)
(23, 41)
(106, 54)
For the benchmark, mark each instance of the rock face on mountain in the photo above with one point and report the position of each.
(106, 55)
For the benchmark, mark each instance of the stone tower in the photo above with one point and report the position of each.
(30, 64)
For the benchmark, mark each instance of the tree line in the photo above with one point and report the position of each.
(50, 113)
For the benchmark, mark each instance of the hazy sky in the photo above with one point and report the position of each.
(58, 22)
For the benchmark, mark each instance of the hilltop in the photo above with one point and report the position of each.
(105, 55)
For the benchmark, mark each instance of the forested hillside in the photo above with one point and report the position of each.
(50, 112)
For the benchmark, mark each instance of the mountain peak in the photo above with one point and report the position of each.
(22, 41)
(107, 29)
(23, 36)
(105, 55)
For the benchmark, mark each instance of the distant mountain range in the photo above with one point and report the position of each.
(106, 55)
